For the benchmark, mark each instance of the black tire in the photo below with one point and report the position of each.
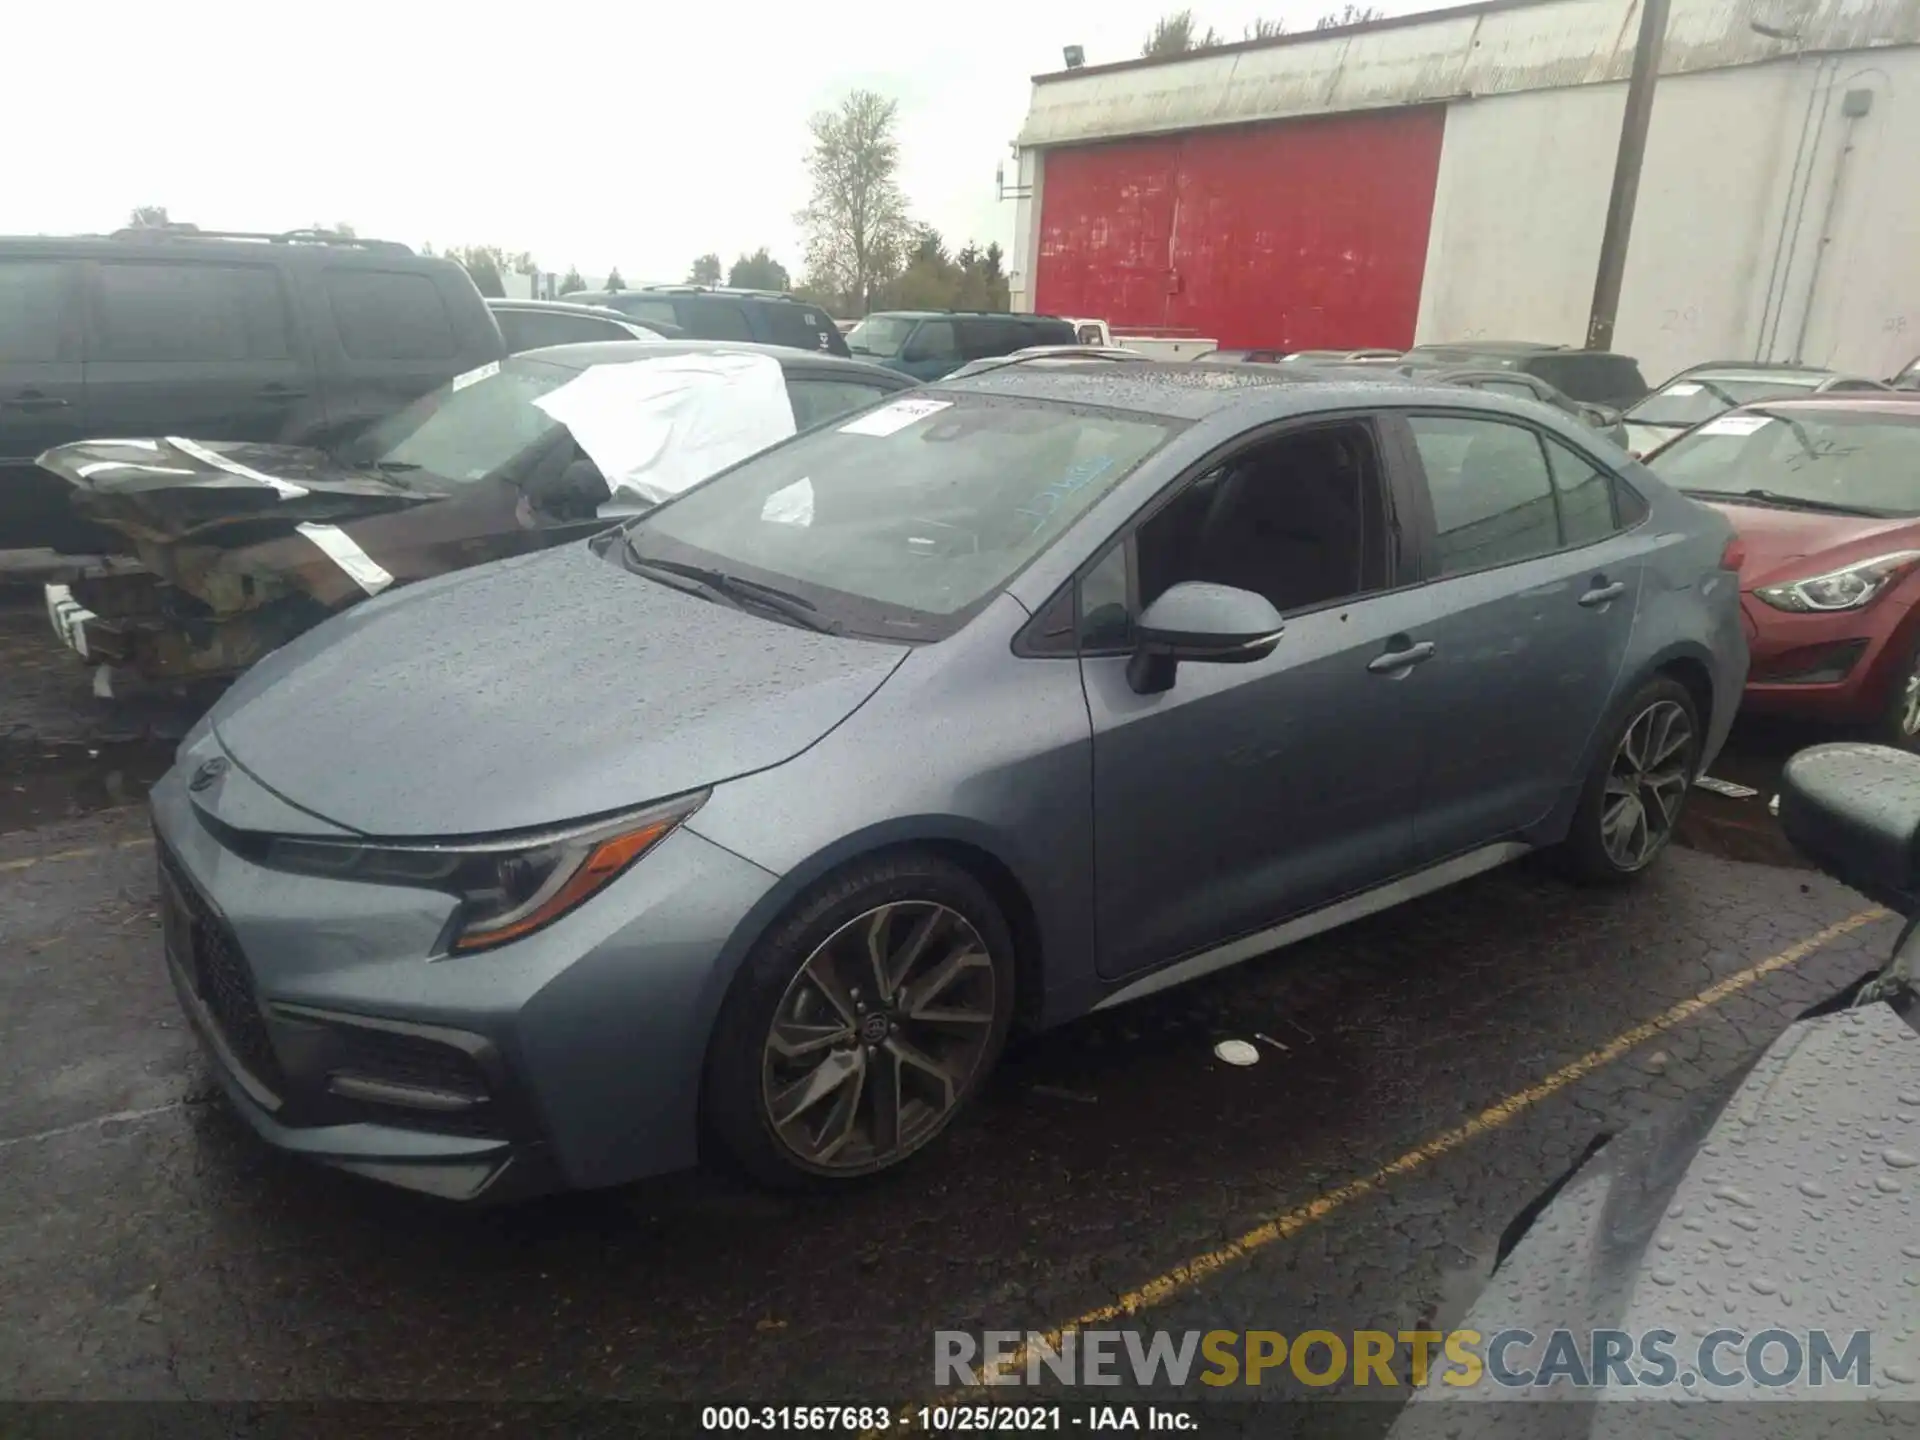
(1585, 855)
(745, 1078)
(1893, 727)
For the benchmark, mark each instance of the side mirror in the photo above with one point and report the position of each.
(1600, 417)
(574, 493)
(1195, 620)
(1854, 810)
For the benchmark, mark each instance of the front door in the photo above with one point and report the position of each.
(1248, 793)
(1531, 606)
(42, 401)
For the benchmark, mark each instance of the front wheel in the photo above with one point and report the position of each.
(1631, 805)
(1899, 722)
(862, 1024)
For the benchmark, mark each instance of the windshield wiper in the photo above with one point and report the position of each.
(1801, 502)
(741, 591)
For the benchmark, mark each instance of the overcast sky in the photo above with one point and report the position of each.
(588, 134)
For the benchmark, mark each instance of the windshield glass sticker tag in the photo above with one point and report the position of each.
(288, 490)
(1685, 387)
(360, 566)
(475, 375)
(1735, 424)
(889, 419)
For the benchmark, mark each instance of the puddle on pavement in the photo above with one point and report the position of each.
(40, 785)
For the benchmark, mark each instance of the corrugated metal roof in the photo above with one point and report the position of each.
(1488, 49)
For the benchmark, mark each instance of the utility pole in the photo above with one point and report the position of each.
(1626, 174)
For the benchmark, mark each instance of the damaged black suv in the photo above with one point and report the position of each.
(301, 338)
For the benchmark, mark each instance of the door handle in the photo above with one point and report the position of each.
(1600, 595)
(1396, 662)
(36, 400)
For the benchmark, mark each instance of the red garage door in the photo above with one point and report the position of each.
(1297, 234)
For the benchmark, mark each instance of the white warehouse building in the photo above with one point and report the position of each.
(1445, 177)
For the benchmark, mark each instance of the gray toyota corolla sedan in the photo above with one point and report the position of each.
(749, 829)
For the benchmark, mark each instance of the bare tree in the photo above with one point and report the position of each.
(1266, 29)
(1174, 34)
(856, 223)
(147, 217)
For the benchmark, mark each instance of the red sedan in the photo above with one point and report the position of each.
(1825, 495)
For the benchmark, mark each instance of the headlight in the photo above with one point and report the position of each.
(508, 887)
(1846, 589)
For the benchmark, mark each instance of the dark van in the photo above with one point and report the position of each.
(928, 344)
(302, 338)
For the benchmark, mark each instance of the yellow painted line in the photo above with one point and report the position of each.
(1186, 1276)
(82, 853)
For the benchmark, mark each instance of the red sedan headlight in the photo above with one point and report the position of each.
(1846, 589)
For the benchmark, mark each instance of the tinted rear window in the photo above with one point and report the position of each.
(799, 326)
(1597, 379)
(642, 307)
(390, 315)
(712, 319)
(530, 329)
(1050, 332)
(188, 312)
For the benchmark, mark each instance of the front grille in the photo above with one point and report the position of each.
(218, 972)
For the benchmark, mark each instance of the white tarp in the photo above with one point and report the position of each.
(655, 427)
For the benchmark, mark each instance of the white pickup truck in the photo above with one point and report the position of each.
(1159, 344)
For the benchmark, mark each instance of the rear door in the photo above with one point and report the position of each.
(1531, 587)
(197, 348)
(393, 338)
(42, 396)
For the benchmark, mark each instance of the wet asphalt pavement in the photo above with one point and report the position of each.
(153, 1250)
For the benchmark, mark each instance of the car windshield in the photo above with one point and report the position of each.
(878, 335)
(897, 522)
(469, 428)
(1686, 402)
(1853, 461)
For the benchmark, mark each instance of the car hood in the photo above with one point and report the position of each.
(1780, 543)
(1784, 1198)
(532, 692)
(165, 490)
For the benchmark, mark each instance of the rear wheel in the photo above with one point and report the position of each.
(1634, 794)
(861, 1024)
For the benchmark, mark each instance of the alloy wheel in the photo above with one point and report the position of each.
(878, 1036)
(1646, 784)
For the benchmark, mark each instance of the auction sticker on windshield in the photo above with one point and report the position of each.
(891, 418)
(475, 376)
(1735, 424)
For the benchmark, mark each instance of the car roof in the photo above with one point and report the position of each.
(291, 246)
(1885, 402)
(1184, 390)
(1496, 347)
(1755, 372)
(961, 315)
(619, 352)
(559, 307)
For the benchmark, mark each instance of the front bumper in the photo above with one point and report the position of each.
(1834, 667)
(570, 1058)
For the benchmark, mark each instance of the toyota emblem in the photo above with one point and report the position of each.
(209, 771)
